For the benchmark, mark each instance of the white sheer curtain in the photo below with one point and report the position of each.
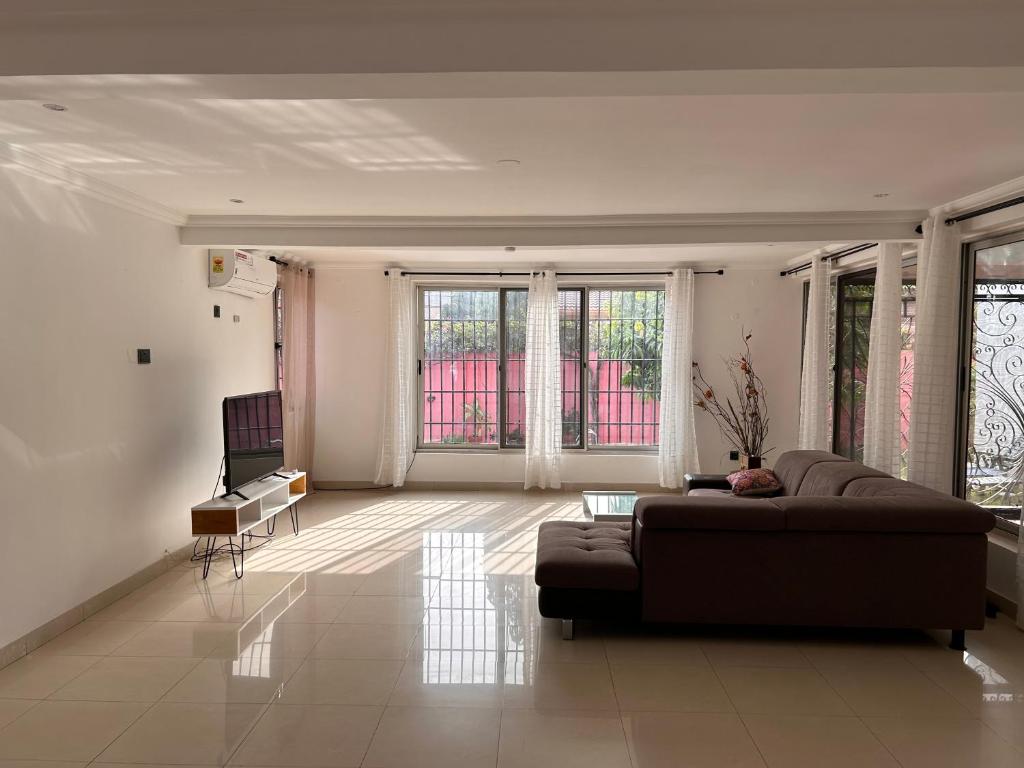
(814, 377)
(677, 445)
(933, 406)
(543, 384)
(882, 393)
(398, 435)
(299, 390)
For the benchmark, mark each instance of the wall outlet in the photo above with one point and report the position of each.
(142, 357)
(237, 318)
(734, 455)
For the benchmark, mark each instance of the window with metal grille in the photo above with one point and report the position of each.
(279, 335)
(459, 366)
(570, 304)
(624, 334)
(473, 354)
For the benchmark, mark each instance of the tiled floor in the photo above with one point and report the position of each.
(400, 629)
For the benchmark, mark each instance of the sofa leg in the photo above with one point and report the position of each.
(568, 629)
(958, 642)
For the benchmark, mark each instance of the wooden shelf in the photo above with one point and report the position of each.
(234, 516)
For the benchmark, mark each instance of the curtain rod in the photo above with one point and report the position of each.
(829, 257)
(978, 212)
(560, 274)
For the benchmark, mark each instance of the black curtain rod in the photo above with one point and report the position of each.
(560, 274)
(978, 212)
(829, 257)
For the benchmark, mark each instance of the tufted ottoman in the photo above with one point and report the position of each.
(586, 570)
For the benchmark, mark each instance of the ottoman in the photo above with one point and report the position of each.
(586, 570)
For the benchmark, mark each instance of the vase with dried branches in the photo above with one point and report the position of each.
(742, 415)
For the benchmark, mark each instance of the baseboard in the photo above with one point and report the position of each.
(347, 485)
(1002, 603)
(38, 637)
(463, 485)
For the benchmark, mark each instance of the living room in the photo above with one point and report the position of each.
(641, 385)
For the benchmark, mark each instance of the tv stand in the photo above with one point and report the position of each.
(260, 502)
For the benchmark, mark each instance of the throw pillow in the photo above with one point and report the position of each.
(754, 482)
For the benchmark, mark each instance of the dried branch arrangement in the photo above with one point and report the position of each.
(743, 422)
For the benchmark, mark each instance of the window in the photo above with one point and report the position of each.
(570, 302)
(473, 355)
(279, 335)
(459, 367)
(624, 365)
(992, 446)
(854, 298)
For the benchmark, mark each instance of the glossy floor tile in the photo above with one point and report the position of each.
(300, 735)
(67, 730)
(803, 741)
(690, 739)
(402, 629)
(435, 737)
(532, 738)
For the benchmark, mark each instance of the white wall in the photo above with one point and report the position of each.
(101, 458)
(351, 317)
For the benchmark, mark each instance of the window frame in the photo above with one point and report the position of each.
(968, 262)
(501, 445)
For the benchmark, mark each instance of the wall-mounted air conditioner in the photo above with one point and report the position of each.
(242, 272)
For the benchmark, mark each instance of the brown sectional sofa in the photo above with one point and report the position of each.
(842, 545)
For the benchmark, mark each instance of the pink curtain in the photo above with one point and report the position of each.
(297, 285)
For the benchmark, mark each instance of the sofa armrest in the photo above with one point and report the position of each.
(708, 513)
(692, 482)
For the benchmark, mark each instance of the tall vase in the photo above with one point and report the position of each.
(749, 462)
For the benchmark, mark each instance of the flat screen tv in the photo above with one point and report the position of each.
(253, 438)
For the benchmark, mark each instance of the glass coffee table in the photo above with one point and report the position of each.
(610, 506)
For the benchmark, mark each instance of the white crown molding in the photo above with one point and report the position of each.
(76, 181)
(555, 231)
(561, 222)
(996, 194)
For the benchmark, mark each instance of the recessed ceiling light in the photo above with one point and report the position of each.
(235, 200)
(509, 162)
(55, 107)
(881, 194)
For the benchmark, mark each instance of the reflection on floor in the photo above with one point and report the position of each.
(400, 629)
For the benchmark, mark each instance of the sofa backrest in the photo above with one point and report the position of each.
(792, 466)
(830, 478)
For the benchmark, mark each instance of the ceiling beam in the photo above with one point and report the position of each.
(440, 232)
(492, 85)
(175, 37)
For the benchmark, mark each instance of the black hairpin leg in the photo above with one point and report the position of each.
(271, 525)
(208, 555)
(294, 511)
(238, 565)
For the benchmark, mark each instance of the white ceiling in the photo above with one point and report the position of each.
(579, 156)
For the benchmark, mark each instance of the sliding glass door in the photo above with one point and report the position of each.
(992, 460)
(854, 301)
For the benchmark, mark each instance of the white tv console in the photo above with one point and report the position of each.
(233, 515)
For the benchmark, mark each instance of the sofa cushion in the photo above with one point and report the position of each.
(712, 492)
(830, 478)
(886, 486)
(793, 465)
(585, 555)
(709, 513)
(920, 513)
